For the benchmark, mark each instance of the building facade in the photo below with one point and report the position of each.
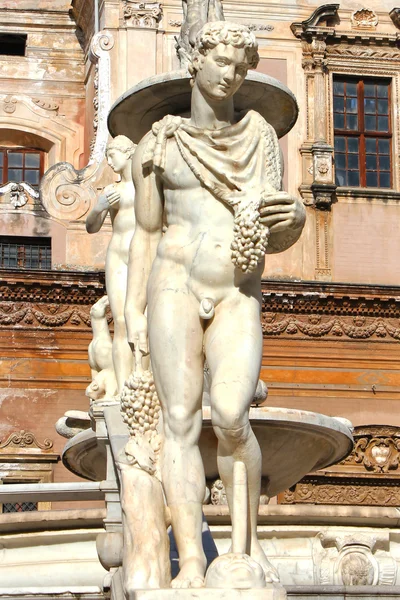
(331, 302)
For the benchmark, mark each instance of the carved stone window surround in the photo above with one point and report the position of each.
(24, 458)
(327, 51)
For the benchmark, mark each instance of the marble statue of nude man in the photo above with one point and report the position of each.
(118, 200)
(215, 182)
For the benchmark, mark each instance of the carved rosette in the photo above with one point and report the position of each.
(142, 14)
(68, 193)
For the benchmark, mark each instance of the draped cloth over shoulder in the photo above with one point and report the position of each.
(239, 164)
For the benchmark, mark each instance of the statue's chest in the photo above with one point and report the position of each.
(177, 173)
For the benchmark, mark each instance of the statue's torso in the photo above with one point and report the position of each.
(196, 244)
(123, 222)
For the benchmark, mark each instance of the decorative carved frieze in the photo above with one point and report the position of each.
(319, 490)
(299, 312)
(142, 14)
(49, 300)
(25, 439)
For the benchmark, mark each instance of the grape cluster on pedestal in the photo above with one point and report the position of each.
(139, 403)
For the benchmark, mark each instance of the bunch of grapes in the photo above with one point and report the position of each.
(250, 241)
(139, 404)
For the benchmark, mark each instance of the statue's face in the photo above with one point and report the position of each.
(117, 159)
(222, 72)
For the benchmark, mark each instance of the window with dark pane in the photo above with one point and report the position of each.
(22, 506)
(25, 252)
(21, 165)
(363, 134)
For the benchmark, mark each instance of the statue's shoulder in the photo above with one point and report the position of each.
(262, 125)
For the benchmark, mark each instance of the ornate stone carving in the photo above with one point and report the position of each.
(364, 19)
(364, 52)
(10, 104)
(337, 327)
(18, 193)
(218, 493)
(175, 23)
(254, 27)
(142, 14)
(25, 439)
(46, 104)
(356, 559)
(58, 300)
(67, 193)
(377, 449)
(314, 490)
(294, 311)
(375, 457)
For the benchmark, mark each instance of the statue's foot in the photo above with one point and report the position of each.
(191, 574)
(258, 554)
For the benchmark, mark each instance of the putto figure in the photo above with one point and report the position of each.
(215, 182)
(118, 200)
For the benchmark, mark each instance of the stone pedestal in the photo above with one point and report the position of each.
(271, 592)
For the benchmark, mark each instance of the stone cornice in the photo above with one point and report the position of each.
(331, 310)
(51, 286)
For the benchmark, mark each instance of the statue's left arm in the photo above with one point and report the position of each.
(282, 213)
(285, 216)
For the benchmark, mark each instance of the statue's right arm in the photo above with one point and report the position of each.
(143, 248)
(97, 215)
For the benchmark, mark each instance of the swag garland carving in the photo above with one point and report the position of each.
(58, 300)
(316, 314)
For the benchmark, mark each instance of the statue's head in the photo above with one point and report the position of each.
(119, 151)
(222, 55)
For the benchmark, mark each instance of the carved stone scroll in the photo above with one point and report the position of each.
(67, 193)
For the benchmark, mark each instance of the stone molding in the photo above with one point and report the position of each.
(290, 309)
(67, 193)
(316, 310)
(48, 300)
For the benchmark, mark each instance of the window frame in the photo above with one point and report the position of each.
(23, 242)
(6, 150)
(361, 134)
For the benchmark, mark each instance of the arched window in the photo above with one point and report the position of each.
(21, 164)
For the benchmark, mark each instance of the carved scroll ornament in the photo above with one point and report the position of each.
(67, 193)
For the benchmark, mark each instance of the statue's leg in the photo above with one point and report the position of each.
(233, 346)
(176, 350)
(116, 282)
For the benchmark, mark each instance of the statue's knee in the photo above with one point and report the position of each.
(178, 422)
(231, 425)
(119, 324)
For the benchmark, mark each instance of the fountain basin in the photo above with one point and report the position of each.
(134, 113)
(293, 443)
